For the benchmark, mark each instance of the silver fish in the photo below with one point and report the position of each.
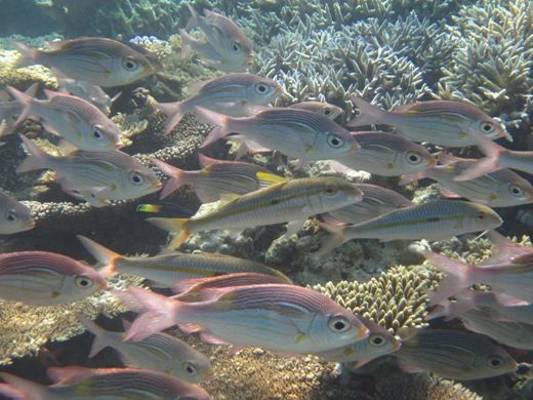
(159, 352)
(76, 120)
(454, 355)
(231, 94)
(167, 269)
(387, 154)
(92, 93)
(95, 177)
(297, 133)
(77, 383)
(502, 188)
(14, 216)
(328, 110)
(290, 201)
(436, 220)
(98, 61)
(227, 48)
(280, 318)
(43, 279)
(216, 178)
(10, 110)
(441, 122)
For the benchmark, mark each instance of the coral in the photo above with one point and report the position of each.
(395, 299)
(22, 78)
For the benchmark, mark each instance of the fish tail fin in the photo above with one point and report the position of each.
(177, 226)
(194, 20)
(460, 276)
(334, 239)
(368, 113)
(24, 99)
(37, 159)
(157, 312)
(174, 112)
(491, 163)
(187, 42)
(177, 178)
(106, 258)
(24, 388)
(28, 55)
(221, 122)
(99, 342)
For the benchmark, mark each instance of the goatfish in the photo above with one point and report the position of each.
(74, 119)
(95, 177)
(454, 354)
(497, 158)
(377, 200)
(216, 179)
(290, 201)
(502, 188)
(166, 269)
(41, 278)
(328, 110)
(441, 122)
(14, 216)
(77, 383)
(158, 352)
(436, 220)
(226, 49)
(231, 94)
(386, 154)
(98, 61)
(92, 93)
(296, 133)
(280, 318)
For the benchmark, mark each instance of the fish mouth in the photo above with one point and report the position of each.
(355, 146)
(432, 162)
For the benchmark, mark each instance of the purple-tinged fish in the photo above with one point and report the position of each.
(502, 188)
(387, 154)
(226, 48)
(281, 318)
(297, 133)
(441, 122)
(44, 279)
(326, 109)
(158, 352)
(92, 93)
(14, 216)
(76, 120)
(98, 61)
(454, 355)
(77, 383)
(497, 158)
(233, 94)
(215, 179)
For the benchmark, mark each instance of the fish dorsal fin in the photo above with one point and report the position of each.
(68, 375)
(268, 179)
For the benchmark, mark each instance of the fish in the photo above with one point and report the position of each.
(159, 352)
(215, 179)
(386, 154)
(74, 119)
(436, 220)
(231, 94)
(75, 383)
(296, 133)
(290, 201)
(166, 269)
(441, 122)
(377, 200)
(497, 158)
(97, 61)
(454, 355)
(512, 278)
(42, 278)
(92, 93)
(227, 48)
(502, 188)
(95, 177)
(281, 318)
(326, 109)
(11, 109)
(15, 217)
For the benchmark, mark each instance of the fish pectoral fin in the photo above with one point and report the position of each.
(300, 337)
(268, 179)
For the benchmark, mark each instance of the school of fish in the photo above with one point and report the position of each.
(243, 303)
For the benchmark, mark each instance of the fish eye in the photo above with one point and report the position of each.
(516, 191)
(481, 216)
(414, 158)
(136, 178)
(487, 127)
(236, 46)
(130, 64)
(331, 190)
(339, 324)
(377, 340)
(495, 361)
(12, 216)
(97, 133)
(335, 141)
(327, 111)
(190, 368)
(261, 89)
(83, 282)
